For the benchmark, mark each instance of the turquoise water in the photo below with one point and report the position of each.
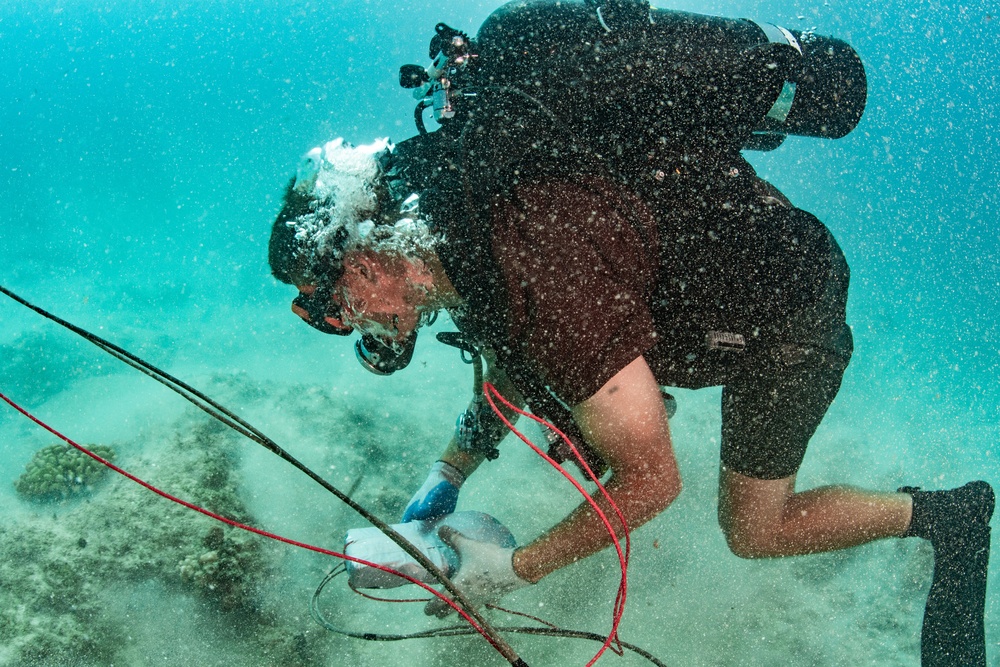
(144, 150)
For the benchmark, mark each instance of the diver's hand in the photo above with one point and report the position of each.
(485, 572)
(438, 496)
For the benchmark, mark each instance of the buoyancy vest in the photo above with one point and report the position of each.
(559, 89)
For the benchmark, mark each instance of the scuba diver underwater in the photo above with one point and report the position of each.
(585, 216)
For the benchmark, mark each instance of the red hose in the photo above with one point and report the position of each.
(623, 557)
(243, 526)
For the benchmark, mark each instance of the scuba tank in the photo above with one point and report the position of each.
(620, 73)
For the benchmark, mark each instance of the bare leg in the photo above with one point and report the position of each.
(767, 518)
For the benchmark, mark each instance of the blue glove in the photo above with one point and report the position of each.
(438, 496)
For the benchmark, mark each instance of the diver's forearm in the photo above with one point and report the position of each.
(464, 461)
(493, 429)
(583, 533)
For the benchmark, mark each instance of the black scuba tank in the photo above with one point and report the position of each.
(626, 77)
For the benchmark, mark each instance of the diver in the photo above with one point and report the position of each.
(593, 259)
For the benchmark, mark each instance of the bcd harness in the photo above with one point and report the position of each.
(639, 95)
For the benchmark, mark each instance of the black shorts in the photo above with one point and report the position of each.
(770, 412)
(788, 366)
(774, 399)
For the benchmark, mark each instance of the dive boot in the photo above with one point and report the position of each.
(956, 523)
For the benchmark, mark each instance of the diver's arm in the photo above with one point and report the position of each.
(466, 462)
(463, 461)
(439, 493)
(626, 424)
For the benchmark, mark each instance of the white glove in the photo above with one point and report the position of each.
(485, 572)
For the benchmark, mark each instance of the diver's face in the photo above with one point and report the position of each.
(382, 296)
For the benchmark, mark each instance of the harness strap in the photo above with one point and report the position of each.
(622, 15)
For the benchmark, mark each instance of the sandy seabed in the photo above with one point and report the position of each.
(126, 578)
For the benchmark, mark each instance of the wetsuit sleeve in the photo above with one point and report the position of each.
(578, 268)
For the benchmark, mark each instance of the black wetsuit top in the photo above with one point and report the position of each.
(751, 291)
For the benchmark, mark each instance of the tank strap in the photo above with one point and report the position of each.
(623, 15)
(778, 35)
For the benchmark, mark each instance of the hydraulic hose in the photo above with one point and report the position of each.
(219, 412)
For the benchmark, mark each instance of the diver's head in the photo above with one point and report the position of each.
(343, 198)
(359, 253)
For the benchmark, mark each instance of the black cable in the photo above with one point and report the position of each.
(197, 398)
(457, 630)
(232, 420)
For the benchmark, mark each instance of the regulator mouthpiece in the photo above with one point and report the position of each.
(382, 358)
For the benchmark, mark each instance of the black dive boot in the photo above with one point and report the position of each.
(957, 524)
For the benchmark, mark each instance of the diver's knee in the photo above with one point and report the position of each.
(748, 545)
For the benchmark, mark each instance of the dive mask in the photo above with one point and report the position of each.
(319, 305)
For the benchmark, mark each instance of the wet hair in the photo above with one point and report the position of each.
(337, 203)
(282, 250)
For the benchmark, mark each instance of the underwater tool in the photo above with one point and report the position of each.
(476, 622)
(371, 545)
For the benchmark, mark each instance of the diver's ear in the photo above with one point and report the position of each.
(369, 265)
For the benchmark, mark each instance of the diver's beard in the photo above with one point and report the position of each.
(390, 334)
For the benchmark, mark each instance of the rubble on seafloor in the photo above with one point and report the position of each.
(56, 565)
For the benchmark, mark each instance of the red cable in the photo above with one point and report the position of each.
(242, 526)
(619, 606)
(489, 392)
